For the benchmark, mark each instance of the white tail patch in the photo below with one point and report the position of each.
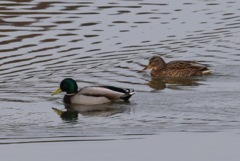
(207, 71)
(132, 93)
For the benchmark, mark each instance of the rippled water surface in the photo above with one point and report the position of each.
(107, 43)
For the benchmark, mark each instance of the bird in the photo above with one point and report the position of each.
(91, 95)
(175, 69)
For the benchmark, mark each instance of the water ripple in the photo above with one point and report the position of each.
(107, 44)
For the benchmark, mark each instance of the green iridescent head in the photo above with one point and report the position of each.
(67, 85)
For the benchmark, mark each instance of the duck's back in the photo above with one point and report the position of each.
(181, 69)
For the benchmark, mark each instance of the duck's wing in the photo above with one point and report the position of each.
(177, 65)
(109, 92)
(186, 68)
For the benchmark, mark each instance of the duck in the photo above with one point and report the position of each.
(175, 69)
(91, 95)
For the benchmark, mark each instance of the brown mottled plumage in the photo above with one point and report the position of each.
(176, 68)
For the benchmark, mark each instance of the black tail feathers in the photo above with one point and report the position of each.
(128, 94)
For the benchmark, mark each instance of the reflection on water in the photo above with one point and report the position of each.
(173, 83)
(69, 114)
(103, 110)
(106, 43)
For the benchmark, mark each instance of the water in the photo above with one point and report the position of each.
(107, 43)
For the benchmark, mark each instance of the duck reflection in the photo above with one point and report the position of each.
(173, 83)
(104, 110)
(68, 115)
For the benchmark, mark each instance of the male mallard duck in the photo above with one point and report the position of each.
(91, 95)
(176, 68)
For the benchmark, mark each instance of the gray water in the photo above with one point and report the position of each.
(107, 43)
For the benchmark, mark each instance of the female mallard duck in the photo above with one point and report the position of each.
(176, 68)
(91, 95)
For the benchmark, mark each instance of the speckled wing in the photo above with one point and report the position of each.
(177, 65)
(186, 68)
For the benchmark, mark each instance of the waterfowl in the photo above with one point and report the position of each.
(91, 95)
(176, 68)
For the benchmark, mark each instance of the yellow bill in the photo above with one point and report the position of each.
(57, 91)
(59, 112)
